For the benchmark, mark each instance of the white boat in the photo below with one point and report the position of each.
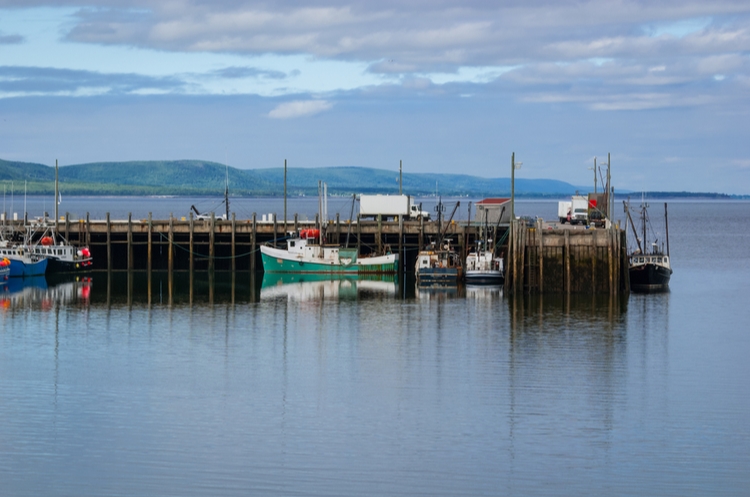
(304, 253)
(483, 266)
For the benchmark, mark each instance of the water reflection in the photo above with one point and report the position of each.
(312, 287)
(45, 292)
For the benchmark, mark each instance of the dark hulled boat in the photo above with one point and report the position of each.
(649, 269)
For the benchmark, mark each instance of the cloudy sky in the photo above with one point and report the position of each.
(444, 85)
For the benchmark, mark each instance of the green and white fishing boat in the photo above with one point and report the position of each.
(304, 253)
(307, 252)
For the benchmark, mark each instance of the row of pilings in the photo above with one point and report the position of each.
(538, 259)
(555, 260)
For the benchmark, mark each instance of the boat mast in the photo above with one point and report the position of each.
(226, 193)
(632, 224)
(666, 223)
(57, 196)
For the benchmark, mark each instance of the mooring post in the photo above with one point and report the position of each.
(130, 241)
(595, 255)
(253, 241)
(380, 234)
(170, 255)
(610, 261)
(541, 258)
(150, 245)
(296, 222)
(87, 242)
(191, 242)
(401, 240)
(211, 227)
(274, 231)
(67, 225)
(109, 244)
(359, 233)
(234, 227)
(567, 262)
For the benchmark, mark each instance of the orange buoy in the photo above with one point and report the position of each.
(47, 241)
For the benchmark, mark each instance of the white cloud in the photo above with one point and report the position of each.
(299, 108)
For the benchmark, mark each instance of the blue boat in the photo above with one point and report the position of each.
(23, 262)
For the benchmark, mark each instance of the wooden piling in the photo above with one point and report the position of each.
(211, 237)
(109, 243)
(150, 245)
(170, 252)
(130, 241)
(234, 230)
(191, 242)
(253, 241)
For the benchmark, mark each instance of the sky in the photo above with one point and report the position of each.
(662, 88)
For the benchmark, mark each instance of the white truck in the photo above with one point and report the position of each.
(564, 211)
(390, 206)
(574, 211)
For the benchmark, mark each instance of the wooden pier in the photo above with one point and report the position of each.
(537, 260)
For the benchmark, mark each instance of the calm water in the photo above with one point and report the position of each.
(235, 385)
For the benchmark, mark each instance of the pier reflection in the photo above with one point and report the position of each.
(138, 288)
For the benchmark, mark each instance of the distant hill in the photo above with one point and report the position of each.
(196, 177)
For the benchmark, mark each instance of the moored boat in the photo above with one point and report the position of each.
(23, 263)
(305, 253)
(438, 265)
(648, 270)
(44, 241)
(483, 267)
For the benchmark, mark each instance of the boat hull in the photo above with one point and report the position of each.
(649, 278)
(280, 261)
(4, 274)
(484, 277)
(23, 269)
(62, 266)
(440, 276)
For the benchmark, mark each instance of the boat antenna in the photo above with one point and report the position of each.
(666, 223)
(57, 196)
(226, 192)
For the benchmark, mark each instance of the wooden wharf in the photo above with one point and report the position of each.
(538, 260)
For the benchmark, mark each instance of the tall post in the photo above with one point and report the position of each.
(234, 250)
(610, 202)
(170, 252)
(512, 187)
(150, 244)
(400, 178)
(211, 237)
(284, 196)
(130, 241)
(191, 243)
(109, 239)
(57, 197)
(252, 245)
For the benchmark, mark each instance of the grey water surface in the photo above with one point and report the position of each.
(236, 384)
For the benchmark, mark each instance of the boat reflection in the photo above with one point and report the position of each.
(317, 287)
(484, 292)
(45, 291)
